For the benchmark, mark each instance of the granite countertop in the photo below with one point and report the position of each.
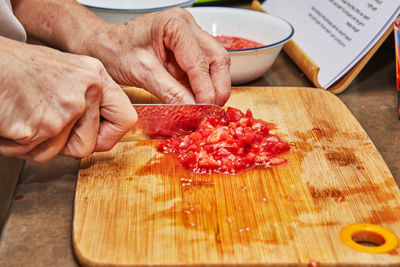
(38, 229)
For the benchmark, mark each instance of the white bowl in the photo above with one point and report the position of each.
(246, 64)
(118, 11)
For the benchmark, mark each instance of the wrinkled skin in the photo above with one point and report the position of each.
(70, 102)
(52, 103)
(166, 53)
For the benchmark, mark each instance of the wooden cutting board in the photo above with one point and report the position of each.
(135, 206)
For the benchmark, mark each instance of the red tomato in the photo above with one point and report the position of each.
(232, 42)
(227, 145)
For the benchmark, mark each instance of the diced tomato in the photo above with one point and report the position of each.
(232, 42)
(234, 114)
(276, 161)
(227, 145)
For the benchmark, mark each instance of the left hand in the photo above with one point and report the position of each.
(166, 53)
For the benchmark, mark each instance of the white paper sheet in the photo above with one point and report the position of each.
(336, 34)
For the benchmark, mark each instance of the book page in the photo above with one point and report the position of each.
(336, 34)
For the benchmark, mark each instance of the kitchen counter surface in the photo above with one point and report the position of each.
(38, 229)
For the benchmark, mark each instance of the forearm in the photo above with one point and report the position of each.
(62, 24)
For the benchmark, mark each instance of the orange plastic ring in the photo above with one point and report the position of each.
(353, 235)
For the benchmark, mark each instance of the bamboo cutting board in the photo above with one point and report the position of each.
(135, 206)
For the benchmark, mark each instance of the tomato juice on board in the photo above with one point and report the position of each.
(228, 144)
(233, 42)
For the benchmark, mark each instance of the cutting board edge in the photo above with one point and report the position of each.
(87, 262)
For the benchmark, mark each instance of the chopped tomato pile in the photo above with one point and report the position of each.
(232, 42)
(227, 144)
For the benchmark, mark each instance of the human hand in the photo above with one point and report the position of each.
(52, 103)
(166, 53)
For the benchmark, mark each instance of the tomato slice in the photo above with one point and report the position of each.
(228, 145)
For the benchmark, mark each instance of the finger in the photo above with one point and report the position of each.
(166, 87)
(118, 114)
(49, 148)
(82, 138)
(11, 148)
(220, 76)
(217, 57)
(181, 41)
(219, 61)
(176, 71)
(23, 146)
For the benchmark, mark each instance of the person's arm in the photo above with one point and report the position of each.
(61, 24)
(165, 52)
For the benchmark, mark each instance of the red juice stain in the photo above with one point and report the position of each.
(313, 264)
(317, 130)
(18, 197)
(393, 253)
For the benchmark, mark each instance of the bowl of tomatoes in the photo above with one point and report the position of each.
(253, 39)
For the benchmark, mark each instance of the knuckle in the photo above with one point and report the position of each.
(222, 58)
(173, 26)
(95, 93)
(180, 12)
(75, 104)
(25, 134)
(225, 58)
(95, 68)
(174, 96)
(201, 64)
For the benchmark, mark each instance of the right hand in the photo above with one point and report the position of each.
(51, 103)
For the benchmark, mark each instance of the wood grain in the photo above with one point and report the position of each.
(136, 207)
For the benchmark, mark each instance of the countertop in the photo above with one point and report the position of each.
(38, 229)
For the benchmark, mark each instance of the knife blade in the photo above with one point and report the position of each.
(160, 121)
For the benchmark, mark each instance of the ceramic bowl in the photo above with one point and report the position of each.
(124, 10)
(271, 31)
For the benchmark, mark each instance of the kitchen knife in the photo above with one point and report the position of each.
(160, 121)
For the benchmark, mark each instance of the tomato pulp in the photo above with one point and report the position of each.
(232, 42)
(227, 144)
